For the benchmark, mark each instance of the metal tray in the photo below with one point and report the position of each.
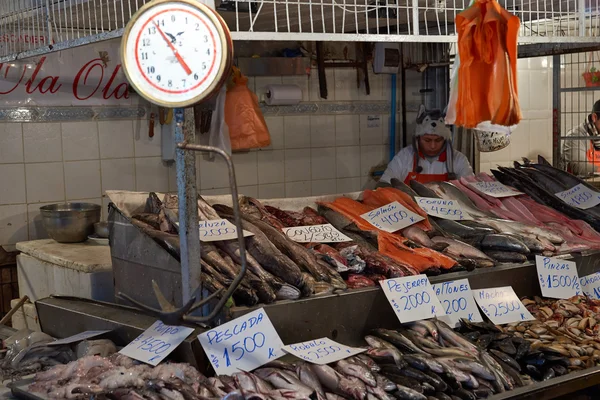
(551, 389)
(20, 390)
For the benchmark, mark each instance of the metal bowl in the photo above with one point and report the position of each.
(70, 222)
(101, 229)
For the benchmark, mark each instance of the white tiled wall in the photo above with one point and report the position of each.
(533, 135)
(43, 163)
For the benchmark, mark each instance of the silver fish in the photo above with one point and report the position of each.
(283, 380)
(428, 325)
(368, 362)
(356, 370)
(309, 378)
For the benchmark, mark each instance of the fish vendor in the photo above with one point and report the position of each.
(580, 154)
(430, 157)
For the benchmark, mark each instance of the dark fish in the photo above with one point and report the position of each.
(405, 393)
(549, 374)
(564, 361)
(560, 370)
(399, 340)
(478, 226)
(505, 358)
(506, 257)
(485, 340)
(537, 360)
(566, 179)
(404, 381)
(242, 295)
(153, 204)
(167, 241)
(506, 346)
(482, 393)
(499, 242)
(522, 349)
(451, 381)
(541, 195)
(442, 396)
(484, 383)
(484, 327)
(267, 255)
(427, 388)
(534, 372)
(464, 394)
(436, 381)
(303, 257)
(415, 362)
(433, 271)
(150, 219)
(534, 245)
(464, 265)
(472, 336)
(461, 230)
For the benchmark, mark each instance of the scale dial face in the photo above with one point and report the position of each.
(175, 53)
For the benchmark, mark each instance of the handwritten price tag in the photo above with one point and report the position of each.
(580, 196)
(457, 302)
(494, 189)
(218, 229)
(77, 338)
(591, 285)
(243, 344)
(501, 305)
(321, 351)
(391, 217)
(156, 343)
(325, 233)
(558, 278)
(412, 298)
(441, 208)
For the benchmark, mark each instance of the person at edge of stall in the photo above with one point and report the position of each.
(430, 157)
(582, 155)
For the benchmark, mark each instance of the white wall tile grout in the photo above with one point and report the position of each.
(129, 160)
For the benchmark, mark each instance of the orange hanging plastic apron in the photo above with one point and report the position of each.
(593, 156)
(426, 178)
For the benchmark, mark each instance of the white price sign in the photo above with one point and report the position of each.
(156, 343)
(391, 217)
(321, 351)
(76, 338)
(501, 305)
(558, 278)
(591, 285)
(457, 302)
(412, 298)
(494, 189)
(580, 196)
(244, 343)
(218, 229)
(442, 208)
(325, 233)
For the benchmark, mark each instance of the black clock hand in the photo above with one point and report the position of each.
(180, 33)
(173, 39)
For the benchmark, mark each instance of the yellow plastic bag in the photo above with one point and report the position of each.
(247, 126)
